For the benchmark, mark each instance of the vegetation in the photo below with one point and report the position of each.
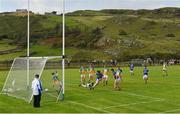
(120, 34)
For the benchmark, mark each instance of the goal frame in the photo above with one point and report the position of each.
(28, 50)
(40, 74)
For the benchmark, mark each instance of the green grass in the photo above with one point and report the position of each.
(76, 54)
(51, 22)
(146, 34)
(5, 46)
(42, 50)
(11, 56)
(90, 21)
(159, 95)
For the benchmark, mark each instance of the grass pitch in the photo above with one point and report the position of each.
(159, 95)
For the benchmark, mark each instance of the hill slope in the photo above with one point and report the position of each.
(119, 34)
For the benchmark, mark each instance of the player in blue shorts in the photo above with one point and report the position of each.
(145, 74)
(99, 77)
(131, 69)
(117, 78)
(105, 76)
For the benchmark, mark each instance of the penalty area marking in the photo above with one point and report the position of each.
(77, 103)
(133, 94)
(123, 105)
(98, 109)
(138, 95)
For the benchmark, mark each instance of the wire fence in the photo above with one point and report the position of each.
(6, 65)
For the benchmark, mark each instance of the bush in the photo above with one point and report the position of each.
(122, 32)
(170, 35)
(97, 33)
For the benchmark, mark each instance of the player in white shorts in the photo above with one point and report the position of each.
(88, 85)
(145, 74)
(119, 72)
(132, 69)
(164, 70)
(117, 80)
(105, 76)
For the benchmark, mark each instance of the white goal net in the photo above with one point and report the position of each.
(21, 75)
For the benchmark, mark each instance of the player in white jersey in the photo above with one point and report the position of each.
(105, 76)
(88, 85)
(165, 73)
(117, 80)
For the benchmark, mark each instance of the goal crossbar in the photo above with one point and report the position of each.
(45, 57)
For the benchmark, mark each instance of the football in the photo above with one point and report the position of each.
(46, 89)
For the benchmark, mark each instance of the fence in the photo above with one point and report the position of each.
(5, 65)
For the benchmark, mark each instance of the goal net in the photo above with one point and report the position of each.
(22, 72)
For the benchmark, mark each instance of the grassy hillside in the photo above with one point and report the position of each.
(119, 34)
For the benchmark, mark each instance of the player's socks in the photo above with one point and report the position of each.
(104, 82)
(146, 82)
(80, 85)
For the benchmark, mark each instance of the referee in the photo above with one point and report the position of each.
(36, 90)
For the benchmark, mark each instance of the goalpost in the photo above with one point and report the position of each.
(23, 69)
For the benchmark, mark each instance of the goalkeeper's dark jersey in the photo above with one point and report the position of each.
(99, 75)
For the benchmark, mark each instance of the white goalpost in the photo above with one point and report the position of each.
(23, 69)
(63, 49)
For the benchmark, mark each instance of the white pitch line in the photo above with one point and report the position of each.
(139, 95)
(170, 111)
(98, 109)
(52, 95)
(82, 104)
(133, 94)
(123, 105)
